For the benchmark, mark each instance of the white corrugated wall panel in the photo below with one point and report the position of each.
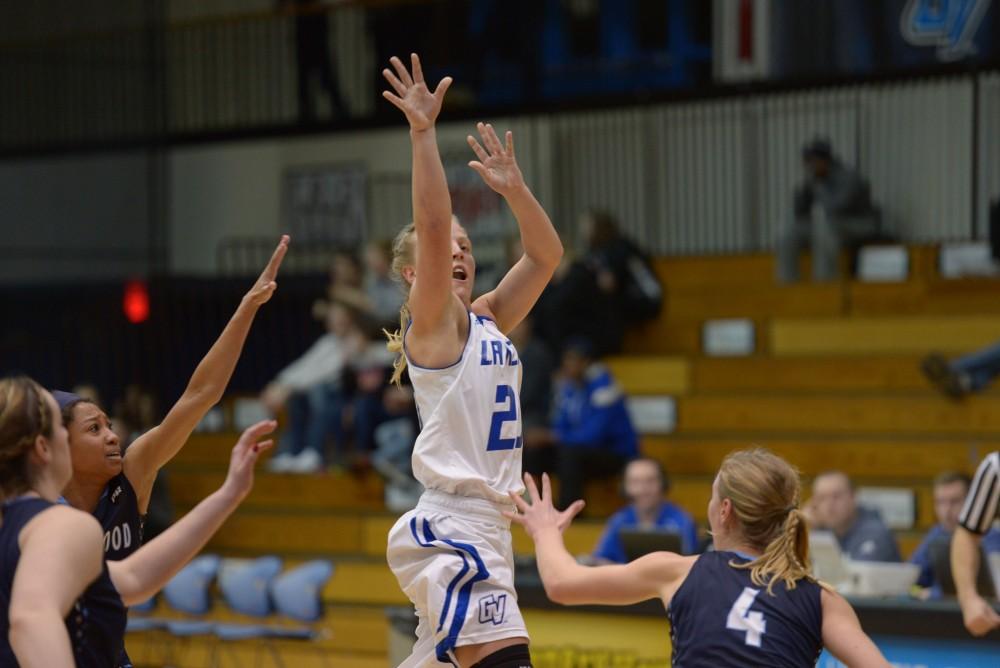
(917, 143)
(599, 163)
(703, 185)
(989, 148)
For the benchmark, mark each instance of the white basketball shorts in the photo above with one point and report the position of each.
(452, 557)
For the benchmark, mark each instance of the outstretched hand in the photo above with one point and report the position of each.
(239, 480)
(266, 283)
(497, 163)
(540, 514)
(413, 97)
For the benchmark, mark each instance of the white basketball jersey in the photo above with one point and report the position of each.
(470, 414)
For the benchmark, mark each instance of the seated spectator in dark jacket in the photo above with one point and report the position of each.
(592, 434)
(645, 485)
(609, 288)
(537, 367)
(860, 532)
(832, 207)
(950, 490)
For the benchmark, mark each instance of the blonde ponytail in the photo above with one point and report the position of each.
(402, 255)
(764, 490)
(786, 557)
(395, 345)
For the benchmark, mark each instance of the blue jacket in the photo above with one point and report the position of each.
(594, 415)
(671, 518)
(922, 555)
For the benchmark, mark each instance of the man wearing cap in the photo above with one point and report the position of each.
(832, 207)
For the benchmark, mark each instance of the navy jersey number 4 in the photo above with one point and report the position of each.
(505, 395)
(741, 619)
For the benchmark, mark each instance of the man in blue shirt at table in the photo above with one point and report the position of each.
(950, 490)
(645, 485)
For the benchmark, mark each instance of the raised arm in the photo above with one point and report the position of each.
(431, 299)
(570, 583)
(144, 573)
(152, 450)
(60, 556)
(518, 291)
(843, 636)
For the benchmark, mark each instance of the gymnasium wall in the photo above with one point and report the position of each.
(71, 217)
(692, 178)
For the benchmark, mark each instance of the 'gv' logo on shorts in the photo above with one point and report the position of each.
(492, 608)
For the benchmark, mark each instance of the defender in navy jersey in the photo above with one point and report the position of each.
(96, 621)
(752, 602)
(61, 602)
(115, 486)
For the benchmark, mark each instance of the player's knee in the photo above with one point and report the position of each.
(514, 656)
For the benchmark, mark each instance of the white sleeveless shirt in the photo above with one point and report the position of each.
(470, 439)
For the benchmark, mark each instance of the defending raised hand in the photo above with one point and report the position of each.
(266, 284)
(239, 480)
(412, 96)
(540, 513)
(497, 164)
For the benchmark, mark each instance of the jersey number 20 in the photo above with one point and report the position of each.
(741, 619)
(505, 395)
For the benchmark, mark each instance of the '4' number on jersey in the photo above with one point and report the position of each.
(742, 619)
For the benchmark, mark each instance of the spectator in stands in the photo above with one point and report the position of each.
(135, 414)
(964, 375)
(950, 490)
(311, 390)
(394, 440)
(89, 392)
(369, 370)
(611, 286)
(383, 294)
(314, 58)
(592, 434)
(981, 509)
(832, 207)
(645, 485)
(860, 531)
(369, 289)
(536, 383)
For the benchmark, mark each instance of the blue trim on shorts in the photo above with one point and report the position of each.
(447, 645)
(430, 538)
(464, 594)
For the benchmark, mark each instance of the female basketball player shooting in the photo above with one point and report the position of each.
(751, 602)
(452, 554)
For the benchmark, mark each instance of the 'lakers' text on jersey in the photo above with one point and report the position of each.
(470, 439)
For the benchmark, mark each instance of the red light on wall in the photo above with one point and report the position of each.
(135, 303)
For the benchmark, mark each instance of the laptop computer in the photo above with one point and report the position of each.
(640, 542)
(827, 559)
(940, 553)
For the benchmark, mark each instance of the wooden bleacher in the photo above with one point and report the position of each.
(834, 384)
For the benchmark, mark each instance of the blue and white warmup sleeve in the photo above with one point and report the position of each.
(983, 502)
